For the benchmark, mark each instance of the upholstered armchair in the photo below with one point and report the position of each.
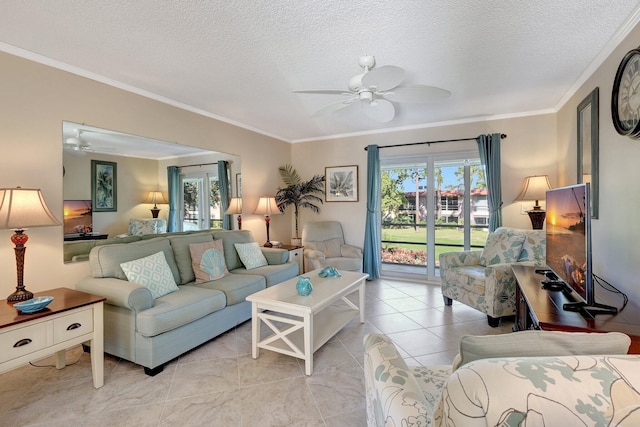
(483, 279)
(324, 246)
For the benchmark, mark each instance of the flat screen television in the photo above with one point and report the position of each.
(78, 216)
(568, 251)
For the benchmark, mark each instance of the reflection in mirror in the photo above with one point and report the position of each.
(99, 164)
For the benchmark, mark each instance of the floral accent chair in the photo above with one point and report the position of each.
(141, 226)
(527, 378)
(483, 279)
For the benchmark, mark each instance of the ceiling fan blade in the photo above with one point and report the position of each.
(325, 92)
(383, 78)
(380, 110)
(416, 93)
(336, 106)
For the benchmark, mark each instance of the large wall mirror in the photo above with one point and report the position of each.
(111, 178)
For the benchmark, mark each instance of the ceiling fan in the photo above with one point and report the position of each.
(76, 145)
(376, 88)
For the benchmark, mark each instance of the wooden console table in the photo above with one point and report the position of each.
(537, 308)
(72, 318)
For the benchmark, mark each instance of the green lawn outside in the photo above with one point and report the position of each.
(444, 236)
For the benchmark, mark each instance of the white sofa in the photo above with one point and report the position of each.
(483, 279)
(529, 378)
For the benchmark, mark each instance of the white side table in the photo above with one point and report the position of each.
(295, 255)
(72, 318)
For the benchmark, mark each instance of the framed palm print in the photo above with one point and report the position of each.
(104, 189)
(341, 183)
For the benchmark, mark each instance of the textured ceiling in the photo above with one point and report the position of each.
(240, 60)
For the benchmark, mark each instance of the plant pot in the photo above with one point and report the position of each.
(296, 241)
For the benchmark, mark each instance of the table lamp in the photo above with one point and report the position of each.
(22, 208)
(155, 197)
(267, 206)
(235, 208)
(535, 188)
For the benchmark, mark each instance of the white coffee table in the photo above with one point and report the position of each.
(301, 325)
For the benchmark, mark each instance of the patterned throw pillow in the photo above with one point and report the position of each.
(501, 248)
(251, 255)
(152, 272)
(207, 260)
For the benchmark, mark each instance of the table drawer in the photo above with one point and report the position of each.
(73, 325)
(22, 341)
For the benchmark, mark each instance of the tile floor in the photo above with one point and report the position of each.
(219, 384)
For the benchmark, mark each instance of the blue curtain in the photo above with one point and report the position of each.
(173, 180)
(372, 244)
(489, 148)
(225, 191)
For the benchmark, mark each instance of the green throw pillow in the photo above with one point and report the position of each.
(152, 272)
(251, 255)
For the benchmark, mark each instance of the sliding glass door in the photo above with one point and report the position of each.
(200, 201)
(430, 205)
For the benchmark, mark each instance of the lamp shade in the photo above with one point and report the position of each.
(534, 188)
(267, 206)
(24, 208)
(235, 206)
(155, 197)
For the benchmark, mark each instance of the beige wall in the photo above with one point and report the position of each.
(529, 149)
(134, 176)
(615, 233)
(36, 99)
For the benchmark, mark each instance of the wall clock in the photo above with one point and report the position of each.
(625, 98)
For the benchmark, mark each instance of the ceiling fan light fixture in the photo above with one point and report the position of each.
(375, 87)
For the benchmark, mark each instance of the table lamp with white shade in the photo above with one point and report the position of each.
(267, 206)
(20, 209)
(535, 188)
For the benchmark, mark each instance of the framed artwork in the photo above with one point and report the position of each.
(104, 186)
(588, 130)
(238, 185)
(341, 183)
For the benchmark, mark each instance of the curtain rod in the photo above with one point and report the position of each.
(199, 164)
(502, 136)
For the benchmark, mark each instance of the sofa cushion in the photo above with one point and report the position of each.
(273, 274)
(330, 247)
(105, 260)
(534, 245)
(236, 287)
(229, 239)
(540, 343)
(501, 248)
(182, 254)
(178, 308)
(207, 261)
(251, 255)
(152, 272)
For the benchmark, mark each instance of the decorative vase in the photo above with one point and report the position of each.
(304, 286)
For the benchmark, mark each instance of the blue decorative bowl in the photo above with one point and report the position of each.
(33, 305)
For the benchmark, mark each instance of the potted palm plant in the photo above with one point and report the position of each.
(299, 194)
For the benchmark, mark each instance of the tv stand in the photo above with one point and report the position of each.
(538, 308)
(590, 310)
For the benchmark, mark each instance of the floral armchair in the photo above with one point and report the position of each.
(524, 378)
(483, 279)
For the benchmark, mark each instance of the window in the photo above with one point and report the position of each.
(200, 201)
